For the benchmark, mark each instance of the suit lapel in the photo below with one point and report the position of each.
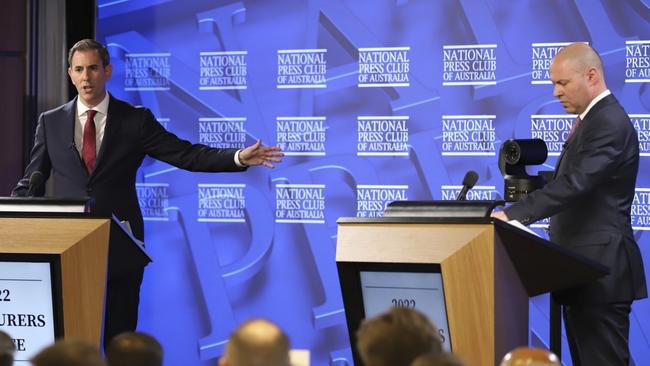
(559, 160)
(601, 103)
(70, 111)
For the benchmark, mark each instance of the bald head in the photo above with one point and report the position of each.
(257, 342)
(530, 356)
(134, 349)
(580, 56)
(577, 76)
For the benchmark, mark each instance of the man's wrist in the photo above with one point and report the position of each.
(238, 161)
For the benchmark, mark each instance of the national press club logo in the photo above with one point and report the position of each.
(473, 64)
(301, 136)
(468, 135)
(300, 203)
(221, 202)
(553, 129)
(147, 71)
(542, 56)
(641, 209)
(223, 70)
(303, 68)
(641, 123)
(373, 199)
(637, 61)
(223, 133)
(450, 192)
(382, 135)
(384, 67)
(154, 200)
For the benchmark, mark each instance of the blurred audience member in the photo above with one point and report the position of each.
(69, 353)
(134, 349)
(396, 338)
(439, 359)
(529, 356)
(7, 349)
(257, 343)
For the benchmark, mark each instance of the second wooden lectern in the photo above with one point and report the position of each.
(489, 270)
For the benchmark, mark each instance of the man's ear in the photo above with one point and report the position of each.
(70, 75)
(108, 71)
(222, 361)
(593, 75)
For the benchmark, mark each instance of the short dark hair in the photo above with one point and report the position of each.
(87, 45)
(70, 353)
(134, 349)
(440, 359)
(397, 337)
(7, 349)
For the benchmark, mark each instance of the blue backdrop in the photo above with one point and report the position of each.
(372, 101)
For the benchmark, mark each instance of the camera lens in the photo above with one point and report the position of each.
(512, 152)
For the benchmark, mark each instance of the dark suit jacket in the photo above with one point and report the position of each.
(589, 203)
(130, 134)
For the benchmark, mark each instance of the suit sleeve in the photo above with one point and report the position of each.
(164, 145)
(39, 161)
(601, 153)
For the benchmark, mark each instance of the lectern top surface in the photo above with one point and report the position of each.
(45, 235)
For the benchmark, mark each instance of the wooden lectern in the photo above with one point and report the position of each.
(75, 249)
(489, 270)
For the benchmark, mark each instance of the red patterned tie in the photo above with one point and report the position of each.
(574, 127)
(89, 149)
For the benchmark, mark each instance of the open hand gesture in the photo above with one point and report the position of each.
(257, 154)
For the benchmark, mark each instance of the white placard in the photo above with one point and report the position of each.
(422, 291)
(26, 311)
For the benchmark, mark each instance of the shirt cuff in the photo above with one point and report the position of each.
(237, 162)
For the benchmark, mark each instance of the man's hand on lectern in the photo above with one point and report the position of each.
(500, 215)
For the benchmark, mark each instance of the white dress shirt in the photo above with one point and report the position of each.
(593, 103)
(100, 123)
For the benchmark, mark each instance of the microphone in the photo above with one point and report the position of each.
(471, 177)
(72, 146)
(35, 181)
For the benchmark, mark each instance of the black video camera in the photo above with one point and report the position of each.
(514, 156)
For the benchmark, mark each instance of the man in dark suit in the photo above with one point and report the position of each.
(93, 147)
(589, 203)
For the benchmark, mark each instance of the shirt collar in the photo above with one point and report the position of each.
(593, 102)
(102, 107)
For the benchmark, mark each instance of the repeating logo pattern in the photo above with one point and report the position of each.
(370, 106)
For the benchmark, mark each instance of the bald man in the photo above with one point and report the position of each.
(589, 202)
(134, 349)
(530, 356)
(257, 343)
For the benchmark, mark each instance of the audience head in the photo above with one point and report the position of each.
(439, 359)
(69, 353)
(396, 338)
(134, 349)
(528, 356)
(7, 349)
(256, 343)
